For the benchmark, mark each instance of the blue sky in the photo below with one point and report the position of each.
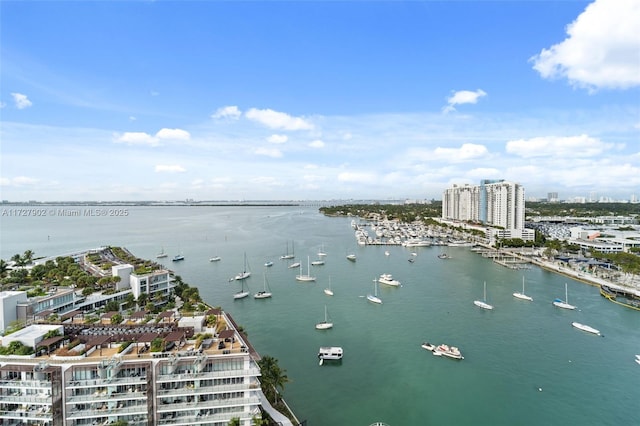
(220, 100)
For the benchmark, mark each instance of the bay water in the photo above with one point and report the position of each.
(524, 364)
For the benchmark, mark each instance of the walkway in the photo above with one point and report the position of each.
(277, 416)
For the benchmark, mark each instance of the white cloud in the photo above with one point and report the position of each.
(601, 50)
(136, 138)
(316, 144)
(468, 151)
(463, 97)
(356, 177)
(18, 181)
(175, 134)
(278, 120)
(21, 101)
(169, 168)
(558, 146)
(227, 112)
(278, 138)
(269, 152)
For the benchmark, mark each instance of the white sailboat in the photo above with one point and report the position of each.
(308, 277)
(242, 293)
(373, 298)
(245, 272)
(321, 252)
(328, 291)
(162, 253)
(564, 304)
(483, 303)
(288, 255)
(324, 325)
(522, 295)
(265, 293)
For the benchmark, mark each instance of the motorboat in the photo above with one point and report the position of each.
(317, 262)
(388, 280)
(214, 259)
(177, 258)
(351, 257)
(428, 346)
(268, 264)
(586, 328)
(448, 351)
(330, 353)
(294, 265)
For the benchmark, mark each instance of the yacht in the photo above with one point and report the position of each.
(373, 298)
(324, 325)
(483, 303)
(564, 304)
(522, 295)
(448, 351)
(388, 280)
(303, 277)
(586, 328)
(330, 353)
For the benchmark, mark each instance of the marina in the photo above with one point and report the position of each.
(434, 302)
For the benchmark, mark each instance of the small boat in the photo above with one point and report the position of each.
(411, 260)
(586, 328)
(324, 325)
(288, 255)
(351, 257)
(214, 259)
(388, 280)
(268, 264)
(263, 294)
(483, 303)
(177, 258)
(443, 256)
(305, 278)
(373, 298)
(328, 291)
(321, 252)
(448, 351)
(564, 304)
(386, 253)
(428, 346)
(317, 262)
(245, 272)
(242, 293)
(162, 254)
(523, 296)
(294, 265)
(637, 359)
(330, 353)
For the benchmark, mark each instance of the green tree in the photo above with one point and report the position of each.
(273, 378)
(235, 421)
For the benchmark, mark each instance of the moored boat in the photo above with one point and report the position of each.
(177, 258)
(351, 257)
(330, 353)
(428, 346)
(522, 295)
(448, 351)
(586, 328)
(564, 304)
(214, 259)
(388, 280)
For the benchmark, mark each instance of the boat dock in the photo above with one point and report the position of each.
(505, 258)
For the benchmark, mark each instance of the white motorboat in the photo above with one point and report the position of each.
(317, 262)
(637, 359)
(324, 325)
(265, 293)
(373, 298)
(388, 280)
(268, 264)
(483, 303)
(564, 304)
(586, 328)
(351, 257)
(303, 277)
(294, 265)
(522, 295)
(448, 351)
(214, 259)
(428, 346)
(330, 353)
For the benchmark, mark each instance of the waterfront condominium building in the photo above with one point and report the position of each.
(112, 376)
(494, 202)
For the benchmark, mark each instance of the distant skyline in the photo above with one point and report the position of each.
(309, 100)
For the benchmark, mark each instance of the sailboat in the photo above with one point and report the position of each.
(373, 298)
(242, 293)
(483, 303)
(522, 295)
(307, 277)
(288, 255)
(564, 303)
(245, 272)
(321, 252)
(318, 262)
(328, 290)
(324, 325)
(264, 294)
(162, 253)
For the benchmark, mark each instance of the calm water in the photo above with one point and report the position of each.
(510, 353)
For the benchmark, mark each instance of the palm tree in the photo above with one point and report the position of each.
(27, 257)
(272, 377)
(4, 267)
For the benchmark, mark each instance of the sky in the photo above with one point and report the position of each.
(311, 100)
